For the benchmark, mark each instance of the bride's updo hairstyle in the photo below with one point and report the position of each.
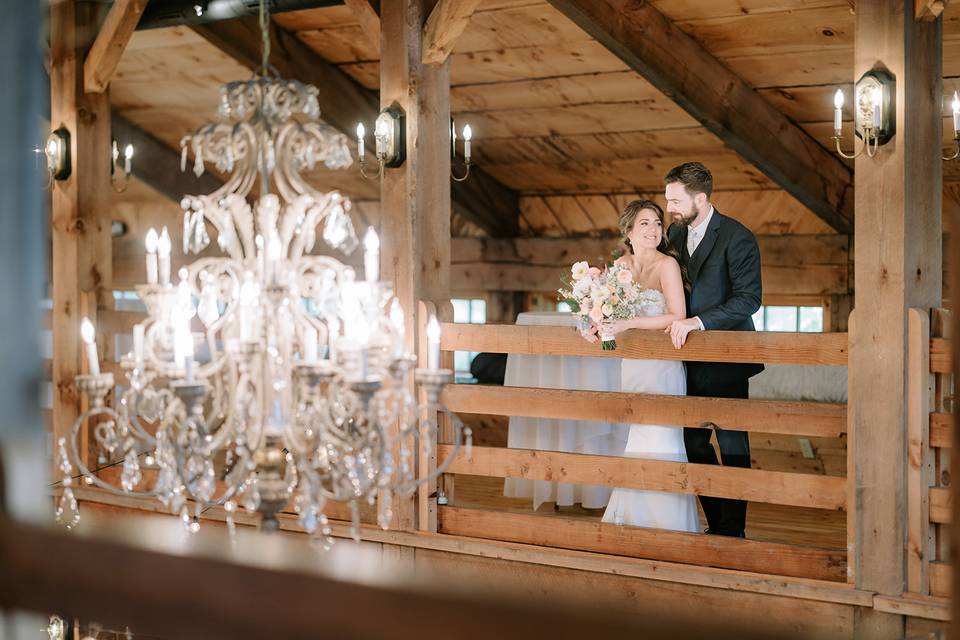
(629, 217)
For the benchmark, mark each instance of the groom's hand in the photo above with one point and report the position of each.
(680, 329)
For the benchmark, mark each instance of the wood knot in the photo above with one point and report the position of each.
(76, 226)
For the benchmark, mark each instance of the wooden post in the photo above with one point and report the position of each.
(920, 551)
(80, 209)
(415, 197)
(897, 266)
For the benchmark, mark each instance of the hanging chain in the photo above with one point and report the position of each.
(264, 37)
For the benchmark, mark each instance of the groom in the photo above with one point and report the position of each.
(722, 261)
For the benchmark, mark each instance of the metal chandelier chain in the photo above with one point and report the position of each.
(264, 38)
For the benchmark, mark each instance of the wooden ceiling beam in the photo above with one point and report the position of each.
(104, 55)
(680, 67)
(157, 165)
(446, 23)
(482, 199)
(928, 10)
(368, 18)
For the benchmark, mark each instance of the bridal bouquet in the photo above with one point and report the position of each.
(596, 296)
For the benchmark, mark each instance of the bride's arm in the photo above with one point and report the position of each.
(671, 283)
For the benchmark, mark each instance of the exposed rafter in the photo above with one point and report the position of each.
(927, 10)
(343, 102)
(446, 22)
(104, 55)
(724, 103)
(368, 18)
(158, 166)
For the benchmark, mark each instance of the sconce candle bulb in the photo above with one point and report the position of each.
(89, 338)
(838, 110)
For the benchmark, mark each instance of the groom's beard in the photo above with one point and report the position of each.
(685, 218)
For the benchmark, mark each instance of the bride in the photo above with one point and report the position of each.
(655, 269)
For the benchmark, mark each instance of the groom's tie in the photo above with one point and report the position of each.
(693, 240)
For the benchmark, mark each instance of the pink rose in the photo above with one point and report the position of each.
(594, 272)
(596, 313)
(624, 276)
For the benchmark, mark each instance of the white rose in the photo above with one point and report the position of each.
(580, 270)
(607, 309)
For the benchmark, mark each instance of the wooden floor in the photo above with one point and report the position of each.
(773, 523)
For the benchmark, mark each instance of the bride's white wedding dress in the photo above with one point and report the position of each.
(676, 511)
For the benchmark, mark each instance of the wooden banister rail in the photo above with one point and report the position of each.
(706, 346)
(640, 542)
(818, 419)
(774, 487)
(301, 590)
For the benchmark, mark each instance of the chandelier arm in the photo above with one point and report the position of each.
(128, 399)
(82, 468)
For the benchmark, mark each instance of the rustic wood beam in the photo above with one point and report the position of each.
(368, 18)
(158, 166)
(897, 266)
(446, 22)
(704, 87)
(80, 204)
(482, 199)
(107, 49)
(793, 265)
(927, 10)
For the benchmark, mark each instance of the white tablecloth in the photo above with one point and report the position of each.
(600, 438)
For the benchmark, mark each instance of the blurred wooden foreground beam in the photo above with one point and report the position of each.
(155, 581)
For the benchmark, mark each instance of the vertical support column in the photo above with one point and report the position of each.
(80, 209)
(415, 197)
(897, 266)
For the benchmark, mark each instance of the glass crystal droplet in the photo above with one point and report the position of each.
(130, 477)
(67, 513)
(251, 499)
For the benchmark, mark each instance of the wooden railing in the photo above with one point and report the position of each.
(930, 427)
(803, 419)
(930, 439)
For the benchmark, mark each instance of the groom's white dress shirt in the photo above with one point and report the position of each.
(694, 236)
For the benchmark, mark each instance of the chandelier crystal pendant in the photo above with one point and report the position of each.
(267, 376)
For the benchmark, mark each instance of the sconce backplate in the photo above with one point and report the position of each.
(392, 119)
(57, 150)
(869, 83)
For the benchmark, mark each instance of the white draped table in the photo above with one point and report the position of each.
(600, 438)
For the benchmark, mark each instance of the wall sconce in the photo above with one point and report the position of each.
(119, 176)
(467, 136)
(57, 151)
(389, 140)
(956, 128)
(874, 112)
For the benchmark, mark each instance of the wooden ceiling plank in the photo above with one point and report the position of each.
(679, 66)
(482, 199)
(368, 19)
(446, 23)
(107, 49)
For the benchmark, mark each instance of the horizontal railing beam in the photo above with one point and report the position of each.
(642, 542)
(818, 419)
(705, 346)
(774, 487)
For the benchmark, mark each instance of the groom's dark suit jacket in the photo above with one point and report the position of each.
(724, 273)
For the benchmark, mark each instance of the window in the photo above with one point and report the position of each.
(472, 311)
(563, 306)
(789, 318)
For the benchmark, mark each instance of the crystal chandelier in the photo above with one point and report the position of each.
(267, 375)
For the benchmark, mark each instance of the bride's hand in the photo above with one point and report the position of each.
(590, 333)
(613, 327)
